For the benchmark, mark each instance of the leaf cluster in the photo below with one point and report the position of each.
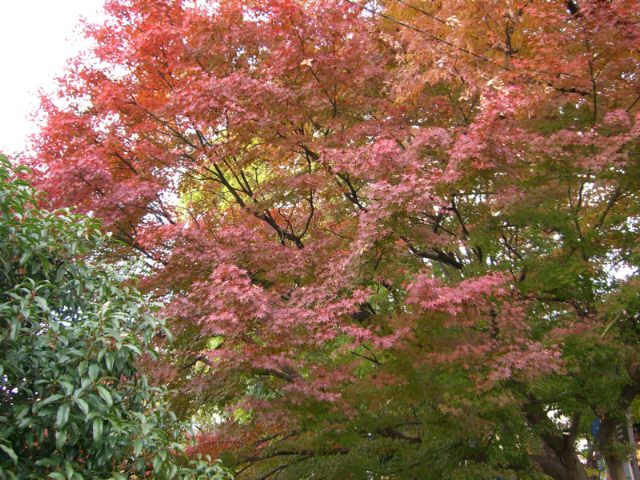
(74, 403)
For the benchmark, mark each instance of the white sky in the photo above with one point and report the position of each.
(36, 38)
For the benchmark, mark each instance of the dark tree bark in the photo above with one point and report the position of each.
(558, 457)
(559, 460)
(609, 430)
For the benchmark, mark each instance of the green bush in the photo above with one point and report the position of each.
(73, 404)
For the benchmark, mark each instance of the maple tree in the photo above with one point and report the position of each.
(396, 239)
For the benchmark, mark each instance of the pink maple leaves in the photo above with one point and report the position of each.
(308, 183)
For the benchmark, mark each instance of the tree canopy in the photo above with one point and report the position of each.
(73, 402)
(397, 239)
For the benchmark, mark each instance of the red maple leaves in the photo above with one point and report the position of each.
(313, 179)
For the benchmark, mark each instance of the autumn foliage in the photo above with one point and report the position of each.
(396, 239)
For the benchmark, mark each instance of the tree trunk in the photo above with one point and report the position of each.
(635, 468)
(609, 441)
(558, 457)
(615, 468)
(559, 460)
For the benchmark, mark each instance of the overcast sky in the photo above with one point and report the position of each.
(36, 38)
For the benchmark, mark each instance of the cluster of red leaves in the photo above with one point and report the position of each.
(306, 178)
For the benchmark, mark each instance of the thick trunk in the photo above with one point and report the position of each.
(609, 447)
(559, 460)
(558, 457)
(615, 467)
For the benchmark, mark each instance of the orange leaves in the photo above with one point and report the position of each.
(314, 182)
